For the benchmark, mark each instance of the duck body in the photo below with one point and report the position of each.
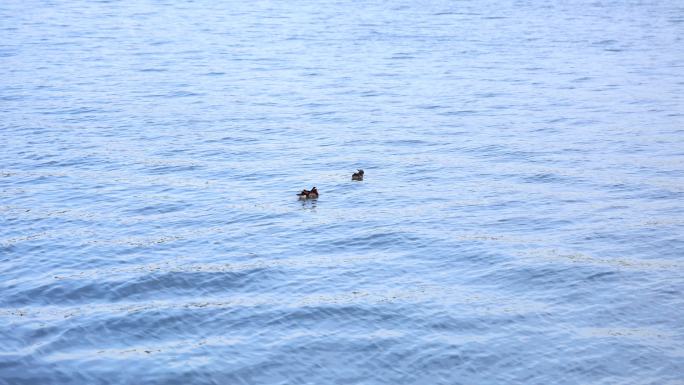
(358, 175)
(303, 194)
(308, 194)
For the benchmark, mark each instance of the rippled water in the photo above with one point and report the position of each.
(521, 219)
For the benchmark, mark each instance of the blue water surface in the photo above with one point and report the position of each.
(521, 220)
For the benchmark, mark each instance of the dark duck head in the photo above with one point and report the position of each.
(313, 193)
(358, 175)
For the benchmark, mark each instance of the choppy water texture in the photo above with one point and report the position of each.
(521, 221)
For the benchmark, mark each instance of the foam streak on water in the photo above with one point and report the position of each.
(520, 221)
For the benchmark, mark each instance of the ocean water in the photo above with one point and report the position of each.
(521, 220)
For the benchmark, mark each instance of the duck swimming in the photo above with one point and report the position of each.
(358, 175)
(306, 194)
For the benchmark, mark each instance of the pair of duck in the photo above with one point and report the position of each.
(313, 193)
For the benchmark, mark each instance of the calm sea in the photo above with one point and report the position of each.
(521, 220)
